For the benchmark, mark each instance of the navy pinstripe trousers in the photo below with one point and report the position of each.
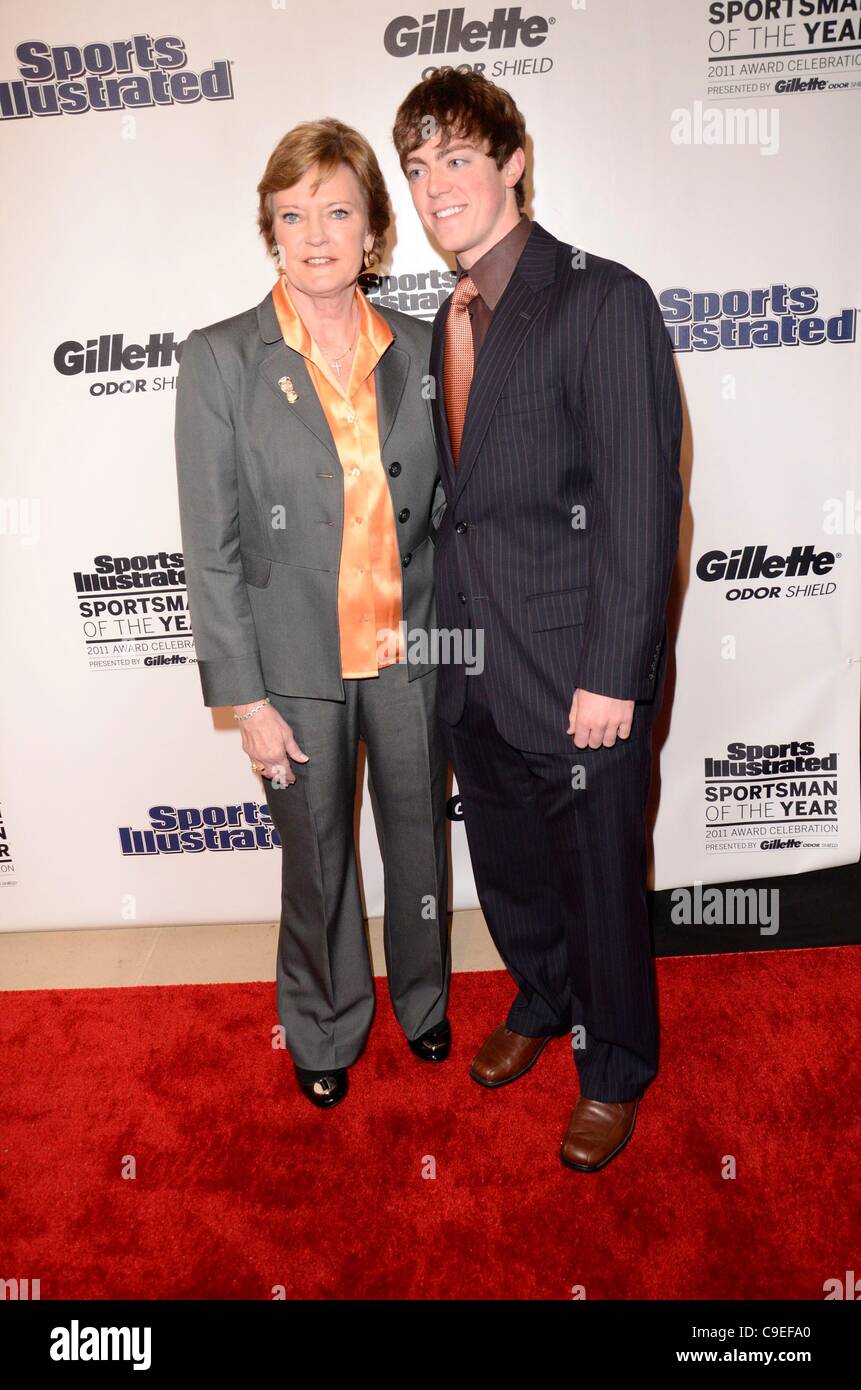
(560, 873)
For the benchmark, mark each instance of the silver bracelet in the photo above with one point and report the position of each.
(254, 710)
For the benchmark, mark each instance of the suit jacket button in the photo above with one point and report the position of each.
(405, 559)
(462, 598)
(394, 470)
(404, 514)
(461, 527)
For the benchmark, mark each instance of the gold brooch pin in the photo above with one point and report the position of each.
(288, 388)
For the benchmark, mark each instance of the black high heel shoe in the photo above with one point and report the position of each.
(332, 1088)
(435, 1044)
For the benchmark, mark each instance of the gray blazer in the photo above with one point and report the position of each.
(261, 504)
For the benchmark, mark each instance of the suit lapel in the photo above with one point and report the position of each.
(522, 303)
(440, 418)
(285, 361)
(515, 314)
(390, 378)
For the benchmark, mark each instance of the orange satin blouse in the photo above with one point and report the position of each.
(369, 575)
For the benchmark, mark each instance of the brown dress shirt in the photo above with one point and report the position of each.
(491, 274)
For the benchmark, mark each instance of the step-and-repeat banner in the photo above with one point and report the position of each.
(711, 146)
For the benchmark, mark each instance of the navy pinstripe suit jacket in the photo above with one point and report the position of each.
(561, 525)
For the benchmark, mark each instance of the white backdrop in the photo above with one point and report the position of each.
(713, 154)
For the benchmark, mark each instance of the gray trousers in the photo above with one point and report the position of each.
(324, 980)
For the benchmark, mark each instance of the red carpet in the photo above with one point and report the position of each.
(242, 1186)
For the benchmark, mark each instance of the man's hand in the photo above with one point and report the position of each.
(597, 720)
(268, 740)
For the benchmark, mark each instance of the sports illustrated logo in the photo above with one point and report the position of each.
(194, 829)
(768, 760)
(133, 611)
(69, 81)
(419, 293)
(772, 796)
(772, 316)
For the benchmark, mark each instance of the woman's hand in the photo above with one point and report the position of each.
(268, 740)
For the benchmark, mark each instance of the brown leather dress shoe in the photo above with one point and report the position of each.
(505, 1056)
(598, 1130)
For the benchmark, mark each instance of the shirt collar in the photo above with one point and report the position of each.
(492, 271)
(375, 334)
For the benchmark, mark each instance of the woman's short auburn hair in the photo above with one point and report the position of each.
(329, 143)
(461, 104)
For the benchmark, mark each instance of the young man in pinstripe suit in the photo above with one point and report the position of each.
(558, 422)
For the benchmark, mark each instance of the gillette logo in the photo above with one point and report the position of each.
(754, 562)
(446, 32)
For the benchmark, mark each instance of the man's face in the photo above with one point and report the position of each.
(461, 197)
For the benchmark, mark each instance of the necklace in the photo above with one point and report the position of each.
(336, 362)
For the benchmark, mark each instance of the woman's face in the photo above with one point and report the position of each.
(322, 235)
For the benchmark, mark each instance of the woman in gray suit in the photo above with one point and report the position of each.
(309, 497)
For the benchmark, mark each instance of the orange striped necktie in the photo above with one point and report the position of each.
(459, 360)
